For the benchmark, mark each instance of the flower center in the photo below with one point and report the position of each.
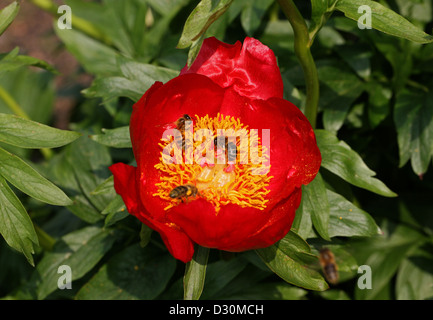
(216, 159)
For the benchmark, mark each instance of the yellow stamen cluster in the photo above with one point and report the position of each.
(245, 186)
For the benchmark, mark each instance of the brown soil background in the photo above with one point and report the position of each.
(32, 31)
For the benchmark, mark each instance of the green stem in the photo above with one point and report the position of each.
(195, 272)
(12, 104)
(17, 110)
(77, 23)
(303, 52)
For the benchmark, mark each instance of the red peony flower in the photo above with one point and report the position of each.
(232, 197)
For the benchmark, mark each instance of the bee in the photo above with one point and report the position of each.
(232, 152)
(329, 266)
(184, 191)
(180, 125)
(231, 149)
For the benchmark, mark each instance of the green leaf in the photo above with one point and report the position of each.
(341, 160)
(384, 255)
(321, 10)
(115, 211)
(252, 14)
(221, 275)
(417, 10)
(159, 39)
(290, 260)
(415, 276)
(81, 250)
(115, 216)
(346, 263)
(340, 87)
(194, 50)
(105, 187)
(384, 19)
(315, 201)
(84, 209)
(399, 53)
(114, 138)
(378, 102)
(302, 224)
(95, 57)
(145, 234)
(135, 80)
(195, 273)
(357, 57)
(7, 15)
(115, 206)
(16, 227)
(89, 161)
(165, 6)
(109, 88)
(24, 133)
(33, 91)
(347, 220)
(29, 181)
(12, 60)
(133, 274)
(413, 118)
(206, 13)
(81, 169)
(106, 21)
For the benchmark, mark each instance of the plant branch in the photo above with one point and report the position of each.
(77, 23)
(12, 104)
(303, 52)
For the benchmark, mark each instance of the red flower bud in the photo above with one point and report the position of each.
(236, 195)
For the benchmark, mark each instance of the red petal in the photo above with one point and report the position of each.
(250, 69)
(138, 120)
(236, 228)
(177, 242)
(278, 225)
(125, 185)
(294, 156)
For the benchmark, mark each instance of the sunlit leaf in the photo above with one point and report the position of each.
(384, 19)
(7, 15)
(30, 134)
(29, 181)
(291, 262)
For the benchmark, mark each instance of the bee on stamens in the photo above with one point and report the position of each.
(180, 125)
(185, 191)
(329, 266)
(232, 152)
(230, 156)
(230, 148)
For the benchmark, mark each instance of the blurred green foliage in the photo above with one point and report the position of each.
(371, 203)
